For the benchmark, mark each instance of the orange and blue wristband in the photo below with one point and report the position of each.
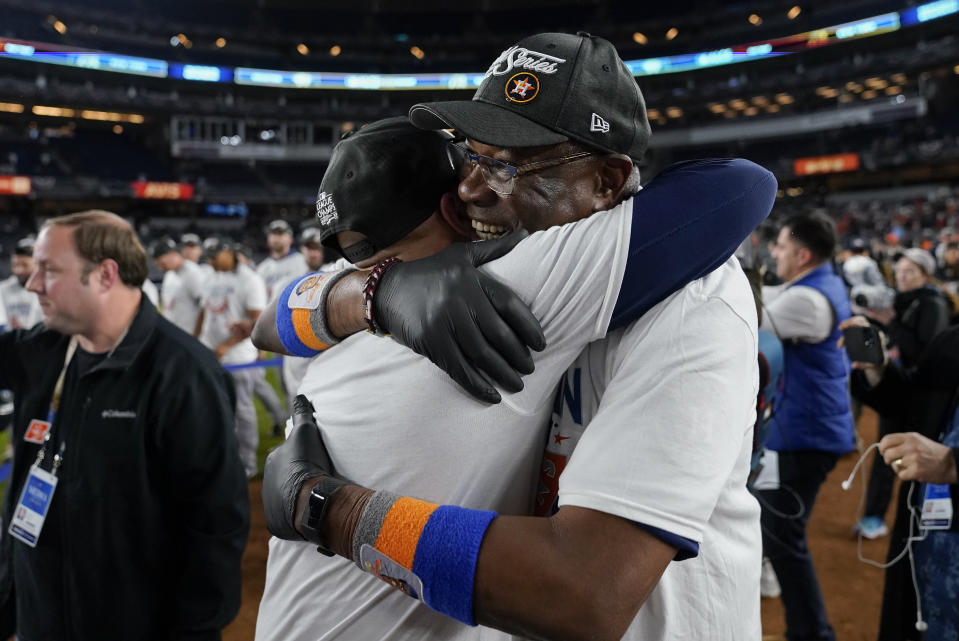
(301, 314)
(429, 551)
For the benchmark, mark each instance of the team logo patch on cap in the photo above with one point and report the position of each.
(326, 209)
(522, 87)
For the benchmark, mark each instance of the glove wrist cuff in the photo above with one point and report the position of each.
(369, 290)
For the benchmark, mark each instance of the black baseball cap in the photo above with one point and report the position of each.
(547, 89)
(383, 181)
(215, 244)
(311, 236)
(162, 246)
(24, 246)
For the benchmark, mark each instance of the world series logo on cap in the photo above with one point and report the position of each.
(326, 209)
(522, 87)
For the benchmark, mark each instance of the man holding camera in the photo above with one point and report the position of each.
(814, 425)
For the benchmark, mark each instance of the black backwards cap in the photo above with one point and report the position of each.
(547, 89)
(190, 239)
(162, 246)
(383, 181)
(24, 246)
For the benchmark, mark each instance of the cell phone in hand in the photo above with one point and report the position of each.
(863, 344)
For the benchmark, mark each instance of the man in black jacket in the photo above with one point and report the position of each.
(925, 399)
(147, 519)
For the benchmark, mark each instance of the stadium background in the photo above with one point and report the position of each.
(218, 116)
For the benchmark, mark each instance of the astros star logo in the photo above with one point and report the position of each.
(559, 439)
(522, 87)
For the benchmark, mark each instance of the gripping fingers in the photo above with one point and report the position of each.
(515, 313)
(456, 365)
(487, 250)
(471, 336)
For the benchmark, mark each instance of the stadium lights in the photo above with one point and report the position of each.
(335, 50)
(738, 104)
(760, 101)
(854, 87)
(417, 52)
(898, 78)
(955, 69)
(220, 43)
(672, 33)
(653, 114)
(60, 27)
(846, 97)
(784, 99)
(729, 114)
(773, 108)
(869, 94)
(755, 20)
(113, 116)
(11, 107)
(793, 13)
(750, 111)
(640, 38)
(717, 107)
(118, 129)
(893, 90)
(54, 112)
(302, 49)
(674, 112)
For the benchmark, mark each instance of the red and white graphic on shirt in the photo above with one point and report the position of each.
(36, 431)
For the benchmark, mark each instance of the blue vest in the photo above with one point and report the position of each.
(813, 412)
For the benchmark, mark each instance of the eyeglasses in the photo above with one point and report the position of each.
(501, 176)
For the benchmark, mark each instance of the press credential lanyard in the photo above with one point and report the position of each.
(34, 503)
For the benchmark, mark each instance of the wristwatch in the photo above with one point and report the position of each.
(316, 509)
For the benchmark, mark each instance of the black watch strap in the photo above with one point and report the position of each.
(319, 502)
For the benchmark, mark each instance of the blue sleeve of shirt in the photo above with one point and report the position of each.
(685, 548)
(687, 222)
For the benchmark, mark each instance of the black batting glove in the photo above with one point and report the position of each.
(468, 323)
(300, 458)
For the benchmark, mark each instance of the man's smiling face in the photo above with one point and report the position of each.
(552, 196)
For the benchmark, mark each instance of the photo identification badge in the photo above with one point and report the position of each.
(31, 510)
(936, 508)
(389, 571)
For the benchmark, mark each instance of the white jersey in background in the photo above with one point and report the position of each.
(278, 272)
(181, 293)
(660, 415)
(21, 306)
(151, 292)
(228, 298)
(392, 420)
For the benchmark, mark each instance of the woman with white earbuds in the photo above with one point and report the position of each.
(927, 455)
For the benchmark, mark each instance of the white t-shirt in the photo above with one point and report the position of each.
(228, 298)
(151, 292)
(797, 312)
(661, 415)
(181, 293)
(278, 272)
(392, 420)
(21, 306)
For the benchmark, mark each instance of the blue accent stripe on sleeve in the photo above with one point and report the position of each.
(685, 548)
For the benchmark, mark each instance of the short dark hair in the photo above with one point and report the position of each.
(815, 232)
